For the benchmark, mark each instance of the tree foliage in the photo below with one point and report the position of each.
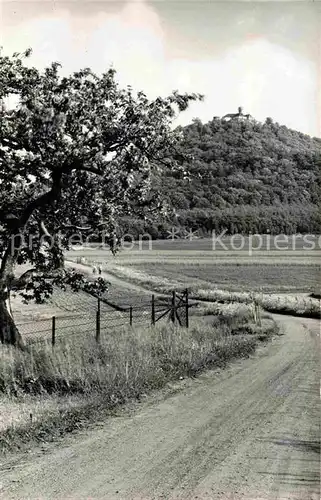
(76, 153)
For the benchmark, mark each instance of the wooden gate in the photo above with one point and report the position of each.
(176, 309)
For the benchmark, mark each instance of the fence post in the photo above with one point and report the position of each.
(53, 331)
(173, 313)
(131, 315)
(255, 312)
(186, 308)
(98, 322)
(153, 309)
(258, 314)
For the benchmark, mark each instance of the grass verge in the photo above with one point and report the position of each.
(281, 304)
(85, 379)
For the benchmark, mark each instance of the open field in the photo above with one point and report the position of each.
(125, 257)
(169, 264)
(238, 276)
(296, 268)
(227, 244)
(281, 280)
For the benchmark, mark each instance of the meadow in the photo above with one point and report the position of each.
(237, 276)
(281, 280)
(167, 264)
(194, 262)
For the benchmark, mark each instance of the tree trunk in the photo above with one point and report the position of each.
(9, 333)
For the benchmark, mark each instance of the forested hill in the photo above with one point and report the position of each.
(246, 176)
(245, 163)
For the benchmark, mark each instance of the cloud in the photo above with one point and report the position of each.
(133, 41)
(130, 39)
(42, 35)
(265, 78)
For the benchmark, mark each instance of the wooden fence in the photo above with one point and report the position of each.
(174, 309)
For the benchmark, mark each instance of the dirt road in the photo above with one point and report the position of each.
(251, 431)
(113, 280)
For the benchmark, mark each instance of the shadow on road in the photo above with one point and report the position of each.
(309, 475)
(309, 446)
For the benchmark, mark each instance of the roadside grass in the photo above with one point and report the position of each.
(47, 392)
(243, 312)
(240, 318)
(281, 304)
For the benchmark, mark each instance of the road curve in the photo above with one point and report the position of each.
(251, 431)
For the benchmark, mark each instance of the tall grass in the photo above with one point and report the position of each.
(239, 310)
(121, 365)
(76, 380)
(282, 304)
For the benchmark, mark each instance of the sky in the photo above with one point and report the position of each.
(262, 55)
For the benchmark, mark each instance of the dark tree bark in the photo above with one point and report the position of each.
(9, 333)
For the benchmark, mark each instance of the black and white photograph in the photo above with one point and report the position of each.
(160, 249)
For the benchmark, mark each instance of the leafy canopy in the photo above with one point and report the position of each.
(76, 153)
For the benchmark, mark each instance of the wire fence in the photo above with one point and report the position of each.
(100, 317)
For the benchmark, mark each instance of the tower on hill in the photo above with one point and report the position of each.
(237, 116)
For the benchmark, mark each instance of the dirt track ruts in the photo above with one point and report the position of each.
(251, 431)
(114, 280)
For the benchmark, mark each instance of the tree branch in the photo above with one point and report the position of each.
(93, 170)
(74, 165)
(78, 228)
(44, 230)
(42, 200)
(21, 280)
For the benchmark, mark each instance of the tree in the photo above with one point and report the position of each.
(76, 153)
